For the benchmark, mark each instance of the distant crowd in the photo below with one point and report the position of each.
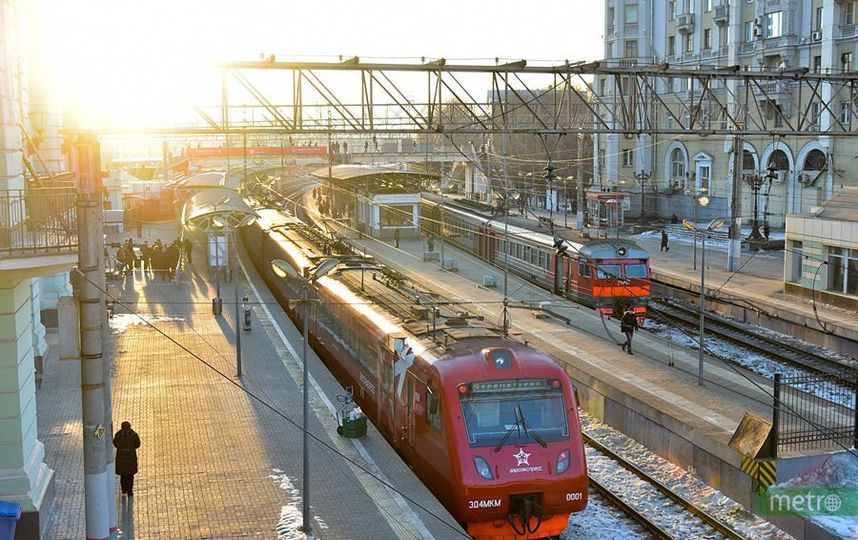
(156, 261)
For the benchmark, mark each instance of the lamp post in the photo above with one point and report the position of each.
(756, 239)
(310, 275)
(714, 224)
(642, 178)
(215, 228)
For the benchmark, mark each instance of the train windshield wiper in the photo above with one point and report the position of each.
(528, 429)
(516, 426)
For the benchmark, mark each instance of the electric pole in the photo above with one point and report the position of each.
(94, 394)
(734, 255)
(579, 214)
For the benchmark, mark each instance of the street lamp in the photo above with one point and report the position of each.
(311, 275)
(642, 178)
(756, 239)
(566, 200)
(702, 200)
(714, 224)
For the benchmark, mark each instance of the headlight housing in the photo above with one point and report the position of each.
(562, 462)
(483, 469)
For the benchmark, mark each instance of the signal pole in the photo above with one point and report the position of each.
(734, 254)
(94, 394)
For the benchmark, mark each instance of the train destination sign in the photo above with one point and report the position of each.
(486, 387)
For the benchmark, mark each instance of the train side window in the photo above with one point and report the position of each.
(518, 248)
(584, 269)
(433, 409)
(542, 261)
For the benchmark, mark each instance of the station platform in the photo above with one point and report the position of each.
(214, 461)
(652, 396)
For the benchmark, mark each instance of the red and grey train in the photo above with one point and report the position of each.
(606, 274)
(489, 424)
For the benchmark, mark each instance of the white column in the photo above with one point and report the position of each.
(40, 346)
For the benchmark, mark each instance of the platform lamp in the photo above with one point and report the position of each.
(714, 224)
(311, 275)
(756, 239)
(642, 178)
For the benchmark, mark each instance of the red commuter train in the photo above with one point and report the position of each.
(606, 274)
(489, 424)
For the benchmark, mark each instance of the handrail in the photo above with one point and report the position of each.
(38, 220)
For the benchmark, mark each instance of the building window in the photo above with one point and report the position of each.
(748, 33)
(603, 87)
(849, 13)
(671, 45)
(845, 112)
(631, 14)
(818, 26)
(774, 24)
(722, 37)
(846, 62)
(707, 5)
(610, 16)
(704, 172)
(707, 39)
(689, 43)
(628, 158)
(677, 166)
(631, 48)
(817, 64)
(797, 257)
(671, 10)
(814, 113)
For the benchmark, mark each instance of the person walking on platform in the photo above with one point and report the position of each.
(189, 249)
(628, 324)
(146, 258)
(126, 441)
(430, 242)
(665, 241)
(396, 237)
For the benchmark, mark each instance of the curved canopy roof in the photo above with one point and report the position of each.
(206, 181)
(375, 179)
(217, 208)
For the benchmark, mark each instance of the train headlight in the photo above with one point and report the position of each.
(562, 462)
(484, 470)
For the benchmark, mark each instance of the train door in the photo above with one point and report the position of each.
(411, 397)
(387, 413)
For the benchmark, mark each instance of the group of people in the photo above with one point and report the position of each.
(158, 261)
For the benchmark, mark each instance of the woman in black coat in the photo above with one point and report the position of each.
(126, 442)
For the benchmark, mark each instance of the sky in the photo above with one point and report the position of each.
(121, 62)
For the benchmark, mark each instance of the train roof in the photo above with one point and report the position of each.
(613, 248)
(388, 299)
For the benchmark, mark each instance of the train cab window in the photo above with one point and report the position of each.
(584, 269)
(433, 408)
(636, 271)
(608, 271)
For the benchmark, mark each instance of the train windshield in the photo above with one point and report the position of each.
(508, 412)
(636, 271)
(608, 271)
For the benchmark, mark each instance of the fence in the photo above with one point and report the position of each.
(38, 220)
(814, 412)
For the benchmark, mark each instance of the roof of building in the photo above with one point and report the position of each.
(350, 172)
(842, 206)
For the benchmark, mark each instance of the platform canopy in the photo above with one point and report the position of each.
(374, 179)
(205, 181)
(217, 208)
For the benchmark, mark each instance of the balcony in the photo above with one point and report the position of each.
(847, 31)
(38, 230)
(685, 23)
(748, 47)
(610, 31)
(630, 28)
(721, 14)
(776, 92)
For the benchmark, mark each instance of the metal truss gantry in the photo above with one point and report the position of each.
(352, 97)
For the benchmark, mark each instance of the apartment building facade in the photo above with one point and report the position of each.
(820, 35)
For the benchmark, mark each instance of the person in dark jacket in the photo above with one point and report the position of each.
(126, 442)
(189, 250)
(665, 241)
(396, 236)
(628, 324)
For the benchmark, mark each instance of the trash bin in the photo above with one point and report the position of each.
(10, 513)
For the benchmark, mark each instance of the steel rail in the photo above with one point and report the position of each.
(629, 510)
(699, 513)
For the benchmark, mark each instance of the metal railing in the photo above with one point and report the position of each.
(38, 221)
(814, 412)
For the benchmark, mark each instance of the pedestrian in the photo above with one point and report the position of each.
(146, 258)
(189, 250)
(665, 241)
(126, 441)
(366, 147)
(628, 324)
(172, 260)
(139, 228)
(120, 260)
(430, 242)
(396, 237)
(345, 147)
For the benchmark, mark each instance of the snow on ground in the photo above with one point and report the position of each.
(683, 483)
(289, 525)
(602, 520)
(121, 321)
(750, 360)
(839, 471)
(716, 244)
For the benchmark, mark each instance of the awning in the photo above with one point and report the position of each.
(217, 208)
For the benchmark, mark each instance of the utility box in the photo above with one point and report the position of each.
(490, 280)
(450, 264)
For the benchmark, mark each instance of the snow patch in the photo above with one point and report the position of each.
(120, 322)
(289, 525)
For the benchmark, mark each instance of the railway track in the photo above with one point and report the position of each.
(777, 350)
(674, 503)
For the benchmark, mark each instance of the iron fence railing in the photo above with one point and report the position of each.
(38, 220)
(815, 412)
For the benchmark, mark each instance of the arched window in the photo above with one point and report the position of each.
(677, 164)
(748, 161)
(815, 161)
(779, 159)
